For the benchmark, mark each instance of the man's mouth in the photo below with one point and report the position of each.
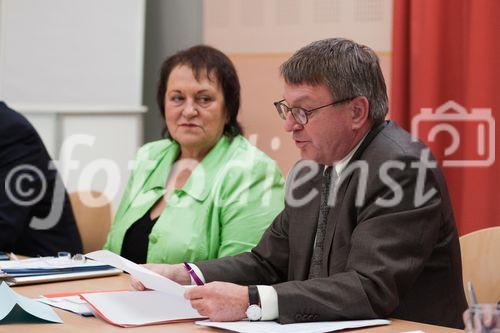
(300, 143)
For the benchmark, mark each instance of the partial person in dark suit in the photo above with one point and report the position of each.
(36, 218)
(368, 228)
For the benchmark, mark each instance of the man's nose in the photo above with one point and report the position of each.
(291, 124)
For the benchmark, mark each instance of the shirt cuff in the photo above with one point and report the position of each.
(267, 294)
(268, 302)
(198, 273)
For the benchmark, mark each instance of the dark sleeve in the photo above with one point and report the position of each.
(36, 217)
(267, 263)
(21, 152)
(388, 249)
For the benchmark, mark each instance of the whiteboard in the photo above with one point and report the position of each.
(72, 51)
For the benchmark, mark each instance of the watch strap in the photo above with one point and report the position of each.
(253, 295)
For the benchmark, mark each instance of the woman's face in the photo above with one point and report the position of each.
(194, 111)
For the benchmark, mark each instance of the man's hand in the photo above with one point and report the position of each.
(219, 301)
(175, 273)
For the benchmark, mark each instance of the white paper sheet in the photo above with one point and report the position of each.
(9, 299)
(149, 279)
(274, 327)
(136, 308)
(69, 303)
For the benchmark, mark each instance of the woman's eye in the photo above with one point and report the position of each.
(204, 100)
(176, 98)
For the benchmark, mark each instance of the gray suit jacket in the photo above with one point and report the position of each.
(400, 262)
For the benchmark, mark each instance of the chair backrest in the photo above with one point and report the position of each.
(93, 214)
(481, 263)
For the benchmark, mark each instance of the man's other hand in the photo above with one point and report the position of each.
(175, 273)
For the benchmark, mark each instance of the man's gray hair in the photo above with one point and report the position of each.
(348, 69)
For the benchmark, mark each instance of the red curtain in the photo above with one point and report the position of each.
(446, 60)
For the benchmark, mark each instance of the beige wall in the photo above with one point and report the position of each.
(260, 87)
(259, 35)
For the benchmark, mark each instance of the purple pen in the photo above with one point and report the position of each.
(195, 277)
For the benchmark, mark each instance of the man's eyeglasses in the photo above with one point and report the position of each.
(302, 115)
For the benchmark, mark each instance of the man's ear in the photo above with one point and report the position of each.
(360, 112)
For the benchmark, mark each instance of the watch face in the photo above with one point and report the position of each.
(254, 312)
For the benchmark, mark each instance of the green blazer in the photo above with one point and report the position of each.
(227, 203)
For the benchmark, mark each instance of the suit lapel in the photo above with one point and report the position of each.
(332, 223)
(305, 220)
(341, 191)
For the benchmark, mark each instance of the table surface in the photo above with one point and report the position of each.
(75, 323)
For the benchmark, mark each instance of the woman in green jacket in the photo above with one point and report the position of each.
(203, 192)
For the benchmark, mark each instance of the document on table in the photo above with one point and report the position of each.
(69, 303)
(44, 265)
(15, 308)
(274, 327)
(50, 269)
(149, 279)
(164, 303)
(138, 308)
(33, 279)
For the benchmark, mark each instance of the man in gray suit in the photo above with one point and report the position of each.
(368, 229)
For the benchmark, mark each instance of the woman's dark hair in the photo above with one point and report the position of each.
(205, 59)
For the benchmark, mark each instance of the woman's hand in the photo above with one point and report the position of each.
(175, 273)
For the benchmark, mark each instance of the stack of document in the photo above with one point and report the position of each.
(164, 303)
(139, 308)
(71, 302)
(48, 269)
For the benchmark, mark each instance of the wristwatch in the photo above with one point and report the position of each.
(254, 311)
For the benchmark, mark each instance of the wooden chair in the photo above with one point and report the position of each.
(93, 214)
(481, 263)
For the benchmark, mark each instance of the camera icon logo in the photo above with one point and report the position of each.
(467, 138)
